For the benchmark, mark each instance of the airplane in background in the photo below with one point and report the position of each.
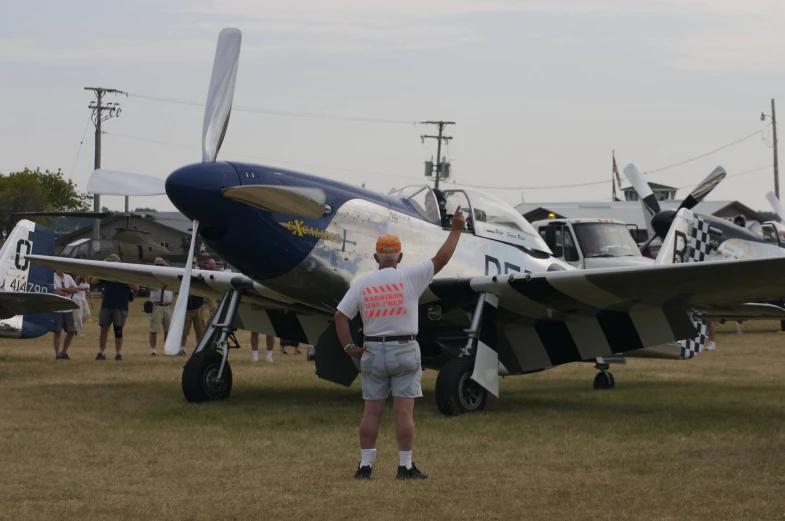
(26, 290)
(502, 306)
(726, 239)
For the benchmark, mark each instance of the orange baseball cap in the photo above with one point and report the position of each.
(388, 244)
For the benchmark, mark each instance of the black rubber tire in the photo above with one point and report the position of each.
(604, 380)
(199, 377)
(456, 393)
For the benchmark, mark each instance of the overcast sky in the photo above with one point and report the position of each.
(542, 90)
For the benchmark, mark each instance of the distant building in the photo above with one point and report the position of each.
(661, 192)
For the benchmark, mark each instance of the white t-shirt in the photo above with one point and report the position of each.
(388, 299)
(84, 286)
(155, 296)
(66, 281)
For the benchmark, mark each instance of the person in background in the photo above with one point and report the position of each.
(81, 298)
(114, 311)
(210, 304)
(286, 343)
(712, 334)
(64, 286)
(255, 347)
(161, 315)
(192, 317)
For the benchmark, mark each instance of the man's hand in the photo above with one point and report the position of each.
(356, 352)
(458, 221)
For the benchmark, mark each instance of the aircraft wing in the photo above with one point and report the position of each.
(209, 284)
(22, 303)
(537, 321)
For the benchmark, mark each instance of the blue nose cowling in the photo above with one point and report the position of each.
(196, 190)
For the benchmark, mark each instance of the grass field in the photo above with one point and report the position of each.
(699, 439)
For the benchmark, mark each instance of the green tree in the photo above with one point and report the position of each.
(37, 191)
(768, 215)
(145, 209)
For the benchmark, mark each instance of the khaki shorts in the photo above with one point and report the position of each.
(391, 366)
(112, 316)
(161, 316)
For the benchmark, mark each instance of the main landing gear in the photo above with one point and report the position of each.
(456, 392)
(207, 375)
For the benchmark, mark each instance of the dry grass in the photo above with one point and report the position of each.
(702, 439)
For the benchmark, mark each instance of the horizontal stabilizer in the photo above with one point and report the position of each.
(290, 200)
(21, 303)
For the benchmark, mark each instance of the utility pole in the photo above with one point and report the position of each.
(773, 117)
(440, 166)
(101, 112)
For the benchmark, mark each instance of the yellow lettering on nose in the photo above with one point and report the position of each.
(298, 228)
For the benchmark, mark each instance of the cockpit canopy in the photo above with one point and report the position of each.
(486, 216)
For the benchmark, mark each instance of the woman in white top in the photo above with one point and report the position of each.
(83, 313)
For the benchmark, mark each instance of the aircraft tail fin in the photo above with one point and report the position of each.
(688, 240)
(19, 275)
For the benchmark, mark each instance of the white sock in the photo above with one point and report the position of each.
(368, 457)
(269, 356)
(255, 356)
(405, 457)
(101, 351)
(153, 350)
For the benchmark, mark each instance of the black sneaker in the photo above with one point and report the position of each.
(412, 473)
(182, 353)
(363, 472)
(118, 356)
(100, 356)
(153, 354)
(64, 356)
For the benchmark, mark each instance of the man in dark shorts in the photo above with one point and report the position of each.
(114, 311)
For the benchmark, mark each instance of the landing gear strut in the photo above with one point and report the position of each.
(207, 375)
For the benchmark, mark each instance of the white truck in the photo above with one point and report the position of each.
(591, 243)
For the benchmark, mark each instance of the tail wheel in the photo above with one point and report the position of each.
(456, 392)
(200, 377)
(604, 380)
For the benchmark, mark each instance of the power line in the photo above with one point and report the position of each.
(226, 152)
(690, 160)
(273, 112)
(81, 142)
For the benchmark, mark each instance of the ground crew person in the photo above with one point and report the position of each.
(387, 301)
(161, 315)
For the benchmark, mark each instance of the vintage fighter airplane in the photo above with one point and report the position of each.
(503, 305)
(727, 240)
(26, 292)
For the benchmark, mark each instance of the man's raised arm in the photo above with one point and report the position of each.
(444, 254)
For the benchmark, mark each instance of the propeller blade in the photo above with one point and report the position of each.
(112, 182)
(221, 93)
(172, 344)
(704, 188)
(642, 188)
(777, 205)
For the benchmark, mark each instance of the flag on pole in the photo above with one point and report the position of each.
(615, 180)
